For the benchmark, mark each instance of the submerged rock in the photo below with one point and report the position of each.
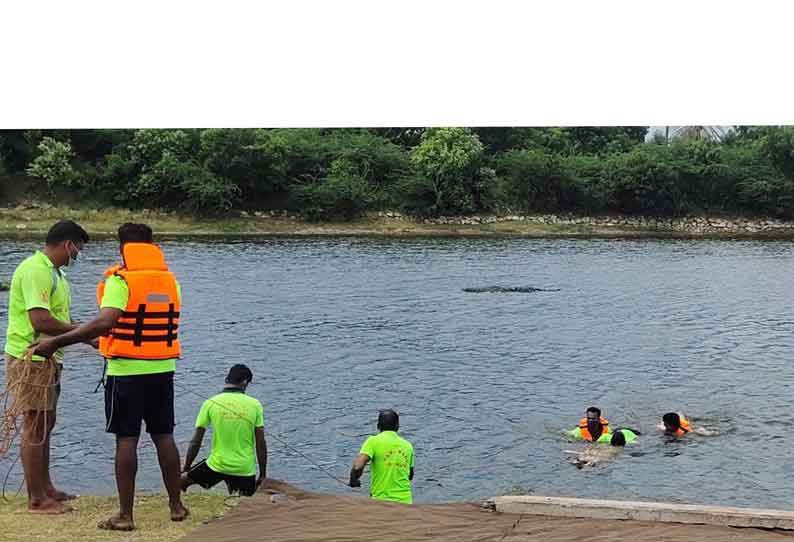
(508, 289)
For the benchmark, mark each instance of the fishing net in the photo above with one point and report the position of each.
(27, 383)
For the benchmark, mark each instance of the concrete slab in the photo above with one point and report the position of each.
(643, 511)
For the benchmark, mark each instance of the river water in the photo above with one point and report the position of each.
(485, 383)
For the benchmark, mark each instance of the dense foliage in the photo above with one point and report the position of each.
(343, 173)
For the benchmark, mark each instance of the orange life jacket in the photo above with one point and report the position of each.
(586, 432)
(684, 427)
(147, 329)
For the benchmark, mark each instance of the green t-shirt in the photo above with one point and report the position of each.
(233, 416)
(116, 295)
(33, 286)
(628, 434)
(392, 459)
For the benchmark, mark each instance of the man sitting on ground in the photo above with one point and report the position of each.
(238, 435)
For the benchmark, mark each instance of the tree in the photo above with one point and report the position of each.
(404, 137)
(54, 163)
(601, 140)
(778, 147)
(253, 160)
(448, 161)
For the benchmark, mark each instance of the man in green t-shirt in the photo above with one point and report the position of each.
(136, 391)
(392, 460)
(238, 439)
(38, 306)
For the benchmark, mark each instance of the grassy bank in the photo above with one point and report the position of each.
(33, 222)
(152, 520)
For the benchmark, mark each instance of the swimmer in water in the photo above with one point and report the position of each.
(592, 427)
(677, 425)
(594, 455)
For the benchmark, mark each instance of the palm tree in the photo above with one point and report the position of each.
(714, 133)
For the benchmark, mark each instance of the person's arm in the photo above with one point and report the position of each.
(97, 327)
(44, 322)
(193, 448)
(261, 453)
(37, 289)
(357, 469)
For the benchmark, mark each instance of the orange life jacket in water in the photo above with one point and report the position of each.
(147, 329)
(586, 432)
(683, 428)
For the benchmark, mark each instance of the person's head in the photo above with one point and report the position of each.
(593, 416)
(618, 439)
(134, 233)
(239, 376)
(672, 422)
(64, 241)
(388, 420)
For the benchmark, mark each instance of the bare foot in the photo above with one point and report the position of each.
(48, 505)
(116, 523)
(179, 512)
(60, 495)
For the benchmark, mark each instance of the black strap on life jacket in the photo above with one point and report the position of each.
(140, 325)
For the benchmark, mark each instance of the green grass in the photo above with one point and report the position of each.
(151, 519)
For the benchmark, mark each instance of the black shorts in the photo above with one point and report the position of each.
(129, 400)
(204, 476)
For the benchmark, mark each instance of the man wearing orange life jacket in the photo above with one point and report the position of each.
(138, 326)
(591, 427)
(675, 424)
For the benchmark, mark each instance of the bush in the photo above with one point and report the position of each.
(207, 194)
(344, 194)
(447, 163)
(537, 181)
(586, 174)
(643, 181)
(53, 164)
(252, 160)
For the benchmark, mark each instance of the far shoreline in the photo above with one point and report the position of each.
(33, 221)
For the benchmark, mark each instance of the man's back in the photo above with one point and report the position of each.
(392, 460)
(233, 416)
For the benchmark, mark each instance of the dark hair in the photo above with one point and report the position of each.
(596, 410)
(66, 230)
(239, 374)
(618, 439)
(388, 420)
(672, 419)
(135, 233)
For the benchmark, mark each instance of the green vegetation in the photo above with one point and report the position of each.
(342, 174)
(151, 519)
